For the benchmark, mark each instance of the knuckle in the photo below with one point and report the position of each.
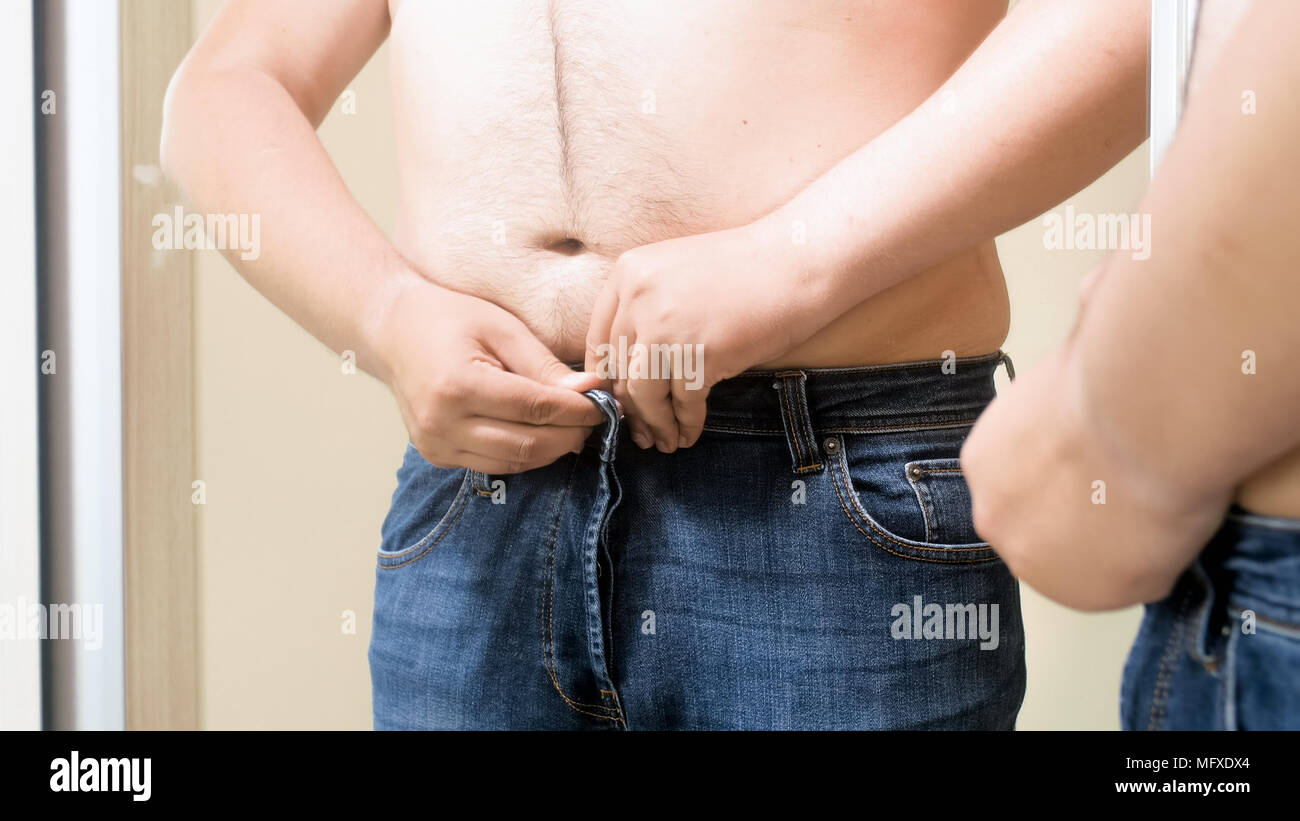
(427, 421)
(525, 449)
(446, 390)
(554, 370)
(538, 410)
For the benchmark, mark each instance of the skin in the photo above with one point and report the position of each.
(475, 387)
(1019, 155)
(1148, 394)
(671, 227)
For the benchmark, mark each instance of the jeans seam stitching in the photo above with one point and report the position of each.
(791, 426)
(1160, 693)
(835, 483)
(842, 468)
(548, 614)
(462, 501)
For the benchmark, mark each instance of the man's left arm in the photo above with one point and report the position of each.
(1053, 97)
(1101, 473)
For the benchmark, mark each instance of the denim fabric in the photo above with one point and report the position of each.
(810, 563)
(1222, 651)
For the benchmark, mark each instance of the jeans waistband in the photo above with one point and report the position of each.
(873, 398)
(805, 404)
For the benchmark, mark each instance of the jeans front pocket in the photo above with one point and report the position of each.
(906, 494)
(427, 505)
(944, 497)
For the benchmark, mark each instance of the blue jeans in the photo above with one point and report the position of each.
(809, 564)
(1222, 651)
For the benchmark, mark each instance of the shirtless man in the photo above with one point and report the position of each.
(807, 190)
(1178, 390)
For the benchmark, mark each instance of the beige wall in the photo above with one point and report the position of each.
(299, 460)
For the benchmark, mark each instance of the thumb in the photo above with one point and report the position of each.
(524, 354)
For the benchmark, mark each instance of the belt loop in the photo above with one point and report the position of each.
(1011, 368)
(804, 455)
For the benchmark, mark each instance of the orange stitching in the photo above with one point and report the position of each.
(487, 480)
(548, 614)
(842, 464)
(866, 518)
(885, 548)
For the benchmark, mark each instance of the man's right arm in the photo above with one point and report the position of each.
(475, 388)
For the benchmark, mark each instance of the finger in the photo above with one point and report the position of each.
(531, 446)
(508, 396)
(649, 396)
(636, 429)
(524, 354)
(651, 400)
(639, 430)
(488, 465)
(690, 407)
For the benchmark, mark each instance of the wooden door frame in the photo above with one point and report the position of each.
(160, 565)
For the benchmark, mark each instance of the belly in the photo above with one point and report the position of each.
(1275, 490)
(536, 142)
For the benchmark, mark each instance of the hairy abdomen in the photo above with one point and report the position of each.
(537, 141)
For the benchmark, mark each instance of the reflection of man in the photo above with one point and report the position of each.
(800, 188)
(1156, 456)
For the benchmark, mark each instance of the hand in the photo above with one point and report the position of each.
(475, 388)
(1072, 516)
(729, 300)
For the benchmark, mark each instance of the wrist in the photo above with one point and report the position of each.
(379, 318)
(806, 274)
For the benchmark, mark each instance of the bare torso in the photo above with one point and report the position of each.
(536, 142)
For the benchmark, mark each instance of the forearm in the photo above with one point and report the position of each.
(1176, 382)
(235, 142)
(1185, 359)
(1053, 97)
